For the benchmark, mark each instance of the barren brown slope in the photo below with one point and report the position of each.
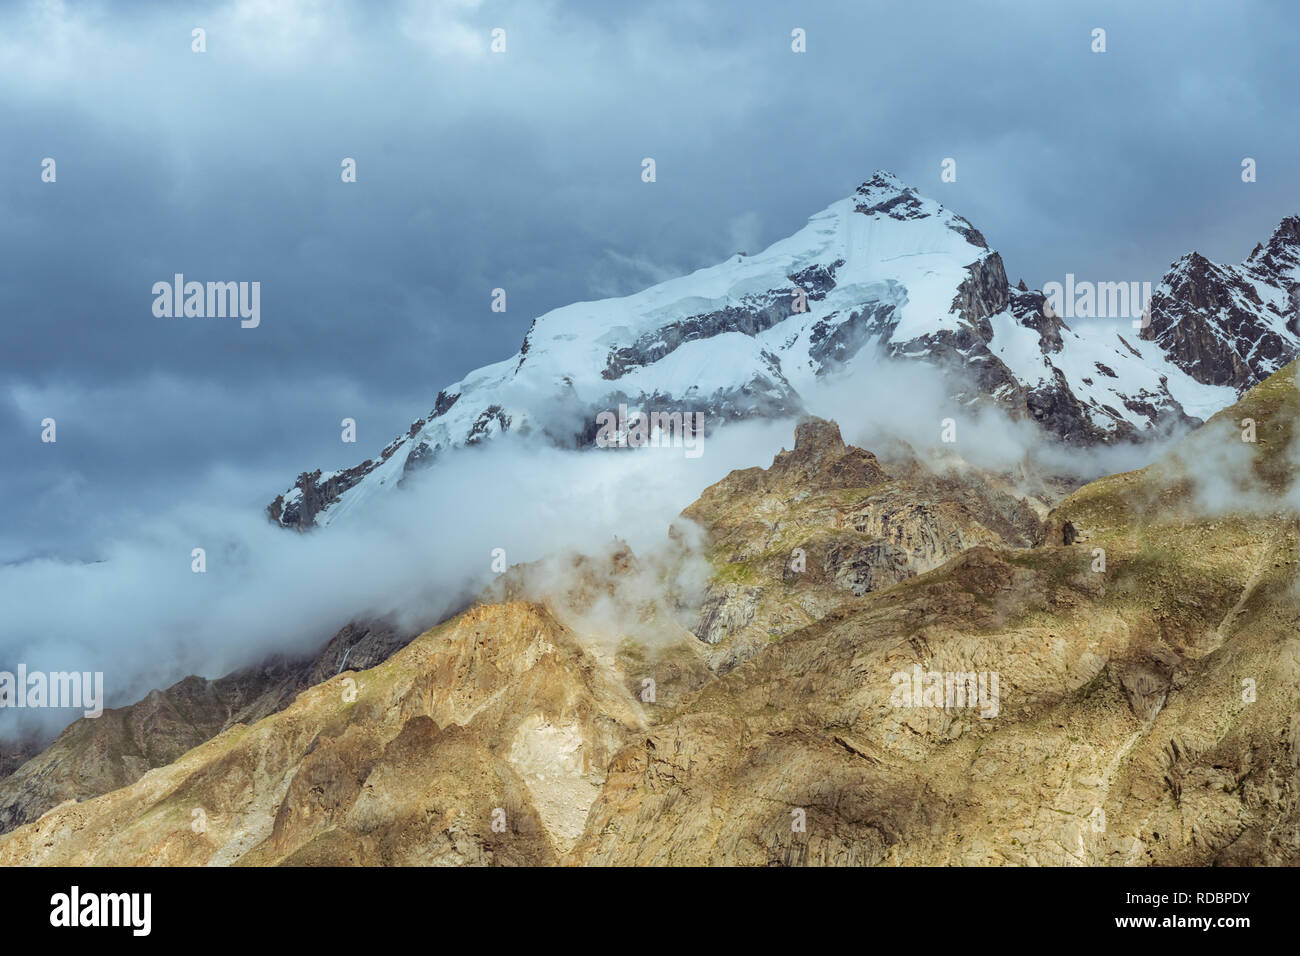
(95, 755)
(498, 715)
(1146, 710)
(1147, 713)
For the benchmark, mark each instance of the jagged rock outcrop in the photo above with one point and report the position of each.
(1231, 325)
(826, 524)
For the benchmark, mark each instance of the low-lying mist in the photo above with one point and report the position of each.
(907, 401)
(143, 617)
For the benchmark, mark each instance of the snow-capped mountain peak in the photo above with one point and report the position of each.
(1231, 325)
(882, 274)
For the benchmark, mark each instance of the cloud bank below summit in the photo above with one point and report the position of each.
(143, 617)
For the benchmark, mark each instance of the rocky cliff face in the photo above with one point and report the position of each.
(885, 275)
(1231, 324)
(826, 524)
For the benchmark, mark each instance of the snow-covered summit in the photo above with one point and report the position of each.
(883, 274)
(1231, 324)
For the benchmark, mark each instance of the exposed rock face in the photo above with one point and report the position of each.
(313, 492)
(820, 460)
(13, 754)
(984, 293)
(835, 340)
(1231, 324)
(826, 524)
(755, 314)
(357, 646)
(94, 756)
(728, 608)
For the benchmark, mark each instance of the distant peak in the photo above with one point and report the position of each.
(1285, 239)
(1192, 261)
(1288, 228)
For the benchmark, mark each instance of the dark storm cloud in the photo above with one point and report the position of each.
(522, 171)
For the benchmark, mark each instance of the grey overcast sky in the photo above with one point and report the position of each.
(521, 170)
